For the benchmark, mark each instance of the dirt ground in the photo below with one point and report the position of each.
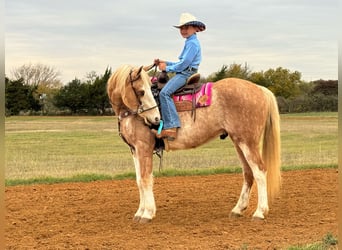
(192, 213)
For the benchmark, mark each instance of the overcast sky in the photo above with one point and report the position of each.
(79, 36)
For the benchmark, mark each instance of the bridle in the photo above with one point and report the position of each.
(140, 109)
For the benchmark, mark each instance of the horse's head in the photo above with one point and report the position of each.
(130, 88)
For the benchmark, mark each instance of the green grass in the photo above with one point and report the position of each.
(131, 175)
(47, 150)
(54, 149)
(328, 242)
(126, 175)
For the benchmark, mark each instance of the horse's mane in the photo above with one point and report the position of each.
(117, 82)
(120, 75)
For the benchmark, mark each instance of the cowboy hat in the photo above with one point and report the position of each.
(188, 19)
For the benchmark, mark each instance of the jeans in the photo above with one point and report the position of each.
(168, 108)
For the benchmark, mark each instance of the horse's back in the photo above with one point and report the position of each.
(242, 104)
(235, 87)
(238, 107)
(238, 95)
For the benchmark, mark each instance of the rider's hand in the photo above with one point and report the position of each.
(156, 62)
(162, 66)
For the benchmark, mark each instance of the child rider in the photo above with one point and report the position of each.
(189, 61)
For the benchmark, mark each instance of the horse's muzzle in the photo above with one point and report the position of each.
(156, 121)
(152, 119)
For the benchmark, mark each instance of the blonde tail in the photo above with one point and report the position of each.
(271, 147)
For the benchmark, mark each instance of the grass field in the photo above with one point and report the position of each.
(61, 147)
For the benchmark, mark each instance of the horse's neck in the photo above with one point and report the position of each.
(117, 106)
(124, 112)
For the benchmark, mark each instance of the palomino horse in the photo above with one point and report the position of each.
(248, 113)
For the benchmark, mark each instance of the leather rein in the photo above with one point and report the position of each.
(140, 108)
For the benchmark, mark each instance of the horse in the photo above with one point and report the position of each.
(246, 112)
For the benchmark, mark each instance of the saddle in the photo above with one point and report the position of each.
(189, 97)
(192, 84)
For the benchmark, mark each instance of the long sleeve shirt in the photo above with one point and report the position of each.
(190, 57)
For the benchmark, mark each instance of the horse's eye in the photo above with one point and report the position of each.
(141, 93)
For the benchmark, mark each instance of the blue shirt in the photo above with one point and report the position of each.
(190, 57)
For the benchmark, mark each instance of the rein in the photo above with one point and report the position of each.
(140, 108)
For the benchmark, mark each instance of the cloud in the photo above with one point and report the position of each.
(78, 36)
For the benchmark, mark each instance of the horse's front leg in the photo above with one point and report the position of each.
(144, 178)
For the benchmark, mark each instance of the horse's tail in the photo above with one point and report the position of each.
(271, 146)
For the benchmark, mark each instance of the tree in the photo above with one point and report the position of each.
(45, 95)
(238, 71)
(91, 77)
(98, 92)
(73, 96)
(38, 74)
(220, 74)
(280, 81)
(305, 87)
(329, 87)
(19, 97)
(233, 70)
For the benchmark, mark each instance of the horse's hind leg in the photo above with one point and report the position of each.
(144, 178)
(253, 157)
(243, 201)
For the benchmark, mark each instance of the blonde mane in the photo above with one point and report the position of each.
(120, 93)
(121, 74)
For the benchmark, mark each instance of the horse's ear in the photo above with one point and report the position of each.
(148, 68)
(140, 69)
(136, 73)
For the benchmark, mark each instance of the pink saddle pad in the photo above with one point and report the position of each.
(203, 97)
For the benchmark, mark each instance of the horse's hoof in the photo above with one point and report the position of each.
(234, 215)
(145, 220)
(136, 218)
(258, 219)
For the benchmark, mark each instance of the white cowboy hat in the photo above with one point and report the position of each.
(188, 19)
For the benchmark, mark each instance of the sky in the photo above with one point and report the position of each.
(77, 37)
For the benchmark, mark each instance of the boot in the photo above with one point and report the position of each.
(170, 133)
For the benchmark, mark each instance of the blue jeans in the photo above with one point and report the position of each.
(168, 108)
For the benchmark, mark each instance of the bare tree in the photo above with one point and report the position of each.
(38, 74)
(91, 77)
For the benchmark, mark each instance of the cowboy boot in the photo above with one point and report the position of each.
(170, 133)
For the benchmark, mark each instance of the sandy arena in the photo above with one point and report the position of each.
(192, 213)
